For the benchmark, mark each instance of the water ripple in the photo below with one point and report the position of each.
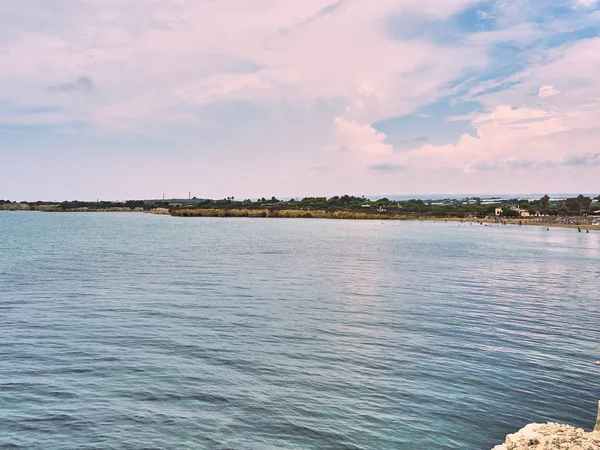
(123, 331)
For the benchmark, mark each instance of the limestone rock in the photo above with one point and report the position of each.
(548, 436)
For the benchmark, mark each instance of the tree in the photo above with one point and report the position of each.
(584, 202)
(507, 211)
(382, 201)
(415, 205)
(571, 205)
(545, 202)
(575, 205)
(482, 211)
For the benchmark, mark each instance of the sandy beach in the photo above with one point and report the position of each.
(522, 222)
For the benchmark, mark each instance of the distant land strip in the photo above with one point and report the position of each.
(575, 211)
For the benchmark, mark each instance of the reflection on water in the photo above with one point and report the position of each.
(130, 330)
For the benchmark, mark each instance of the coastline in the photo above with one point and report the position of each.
(352, 215)
(321, 214)
(54, 208)
(288, 213)
(525, 222)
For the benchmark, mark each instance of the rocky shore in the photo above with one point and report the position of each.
(552, 436)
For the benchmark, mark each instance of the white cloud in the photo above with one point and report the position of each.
(362, 141)
(182, 52)
(585, 3)
(548, 91)
(157, 67)
(522, 132)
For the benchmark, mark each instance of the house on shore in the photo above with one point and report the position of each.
(522, 212)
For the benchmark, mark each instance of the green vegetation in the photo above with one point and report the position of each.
(470, 207)
(76, 205)
(507, 211)
(334, 206)
(544, 203)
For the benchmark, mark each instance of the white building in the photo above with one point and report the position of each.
(522, 212)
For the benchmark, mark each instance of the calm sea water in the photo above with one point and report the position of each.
(132, 331)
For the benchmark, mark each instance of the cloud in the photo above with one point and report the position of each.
(392, 168)
(166, 51)
(281, 81)
(548, 91)
(561, 130)
(417, 140)
(585, 3)
(519, 131)
(82, 83)
(363, 144)
(324, 11)
(591, 159)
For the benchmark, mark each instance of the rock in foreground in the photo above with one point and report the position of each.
(548, 436)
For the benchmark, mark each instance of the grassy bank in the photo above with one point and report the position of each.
(358, 215)
(287, 213)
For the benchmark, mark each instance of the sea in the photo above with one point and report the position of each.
(139, 331)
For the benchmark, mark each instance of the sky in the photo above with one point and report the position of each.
(123, 99)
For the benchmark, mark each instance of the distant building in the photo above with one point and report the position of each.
(491, 201)
(522, 212)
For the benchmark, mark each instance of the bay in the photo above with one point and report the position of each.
(124, 330)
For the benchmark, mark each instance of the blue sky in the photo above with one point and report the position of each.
(124, 99)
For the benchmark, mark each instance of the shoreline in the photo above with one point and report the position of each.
(321, 214)
(525, 223)
(353, 215)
